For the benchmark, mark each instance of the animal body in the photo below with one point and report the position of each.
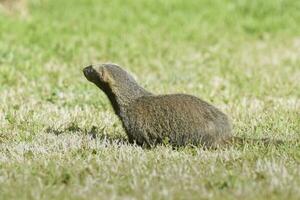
(150, 119)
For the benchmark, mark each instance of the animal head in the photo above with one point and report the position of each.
(108, 76)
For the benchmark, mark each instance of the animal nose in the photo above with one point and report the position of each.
(87, 70)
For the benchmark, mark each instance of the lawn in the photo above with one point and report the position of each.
(59, 138)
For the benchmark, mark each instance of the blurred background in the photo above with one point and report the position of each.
(201, 39)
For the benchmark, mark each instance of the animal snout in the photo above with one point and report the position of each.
(88, 70)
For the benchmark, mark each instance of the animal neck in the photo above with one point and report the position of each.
(121, 97)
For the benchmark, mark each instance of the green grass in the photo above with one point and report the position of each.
(242, 56)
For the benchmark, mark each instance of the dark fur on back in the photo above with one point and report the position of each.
(149, 119)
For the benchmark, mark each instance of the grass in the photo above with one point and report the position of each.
(242, 56)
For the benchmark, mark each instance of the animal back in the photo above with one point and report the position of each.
(180, 119)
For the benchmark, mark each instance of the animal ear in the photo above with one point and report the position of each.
(103, 74)
(106, 76)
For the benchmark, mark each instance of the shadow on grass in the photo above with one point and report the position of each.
(100, 134)
(94, 133)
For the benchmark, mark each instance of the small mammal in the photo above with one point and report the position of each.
(149, 119)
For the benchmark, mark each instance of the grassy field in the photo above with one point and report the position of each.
(242, 56)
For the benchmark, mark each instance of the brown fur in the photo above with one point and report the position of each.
(148, 119)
